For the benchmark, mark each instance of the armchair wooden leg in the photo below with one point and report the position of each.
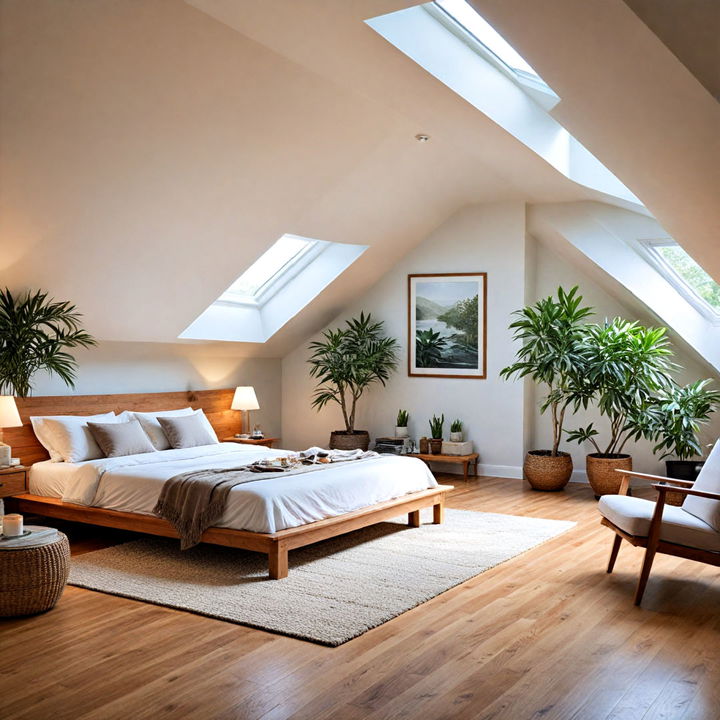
(614, 553)
(644, 574)
(652, 544)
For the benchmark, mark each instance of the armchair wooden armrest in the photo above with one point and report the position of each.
(671, 482)
(664, 487)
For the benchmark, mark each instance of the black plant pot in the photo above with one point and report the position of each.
(683, 469)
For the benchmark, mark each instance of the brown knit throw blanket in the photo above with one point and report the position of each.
(195, 501)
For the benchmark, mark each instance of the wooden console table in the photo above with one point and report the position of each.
(465, 460)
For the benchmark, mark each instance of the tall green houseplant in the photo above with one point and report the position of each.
(35, 334)
(551, 333)
(626, 365)
(346, 363)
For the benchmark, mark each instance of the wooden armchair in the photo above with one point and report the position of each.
(691, 531)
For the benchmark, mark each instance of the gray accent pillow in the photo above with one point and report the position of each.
(186, 431)
(125, 438)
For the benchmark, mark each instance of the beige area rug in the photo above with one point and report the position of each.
(336, 590)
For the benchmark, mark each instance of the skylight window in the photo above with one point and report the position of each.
(685, 275)
(279, 263)
(490, 40)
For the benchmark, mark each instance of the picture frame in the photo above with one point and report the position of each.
(447, 325)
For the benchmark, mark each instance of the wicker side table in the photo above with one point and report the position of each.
(32, 579)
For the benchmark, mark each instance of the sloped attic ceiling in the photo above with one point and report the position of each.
(152, 152)
(632, 103)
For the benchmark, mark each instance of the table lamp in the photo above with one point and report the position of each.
(9, 417)
(245, 399)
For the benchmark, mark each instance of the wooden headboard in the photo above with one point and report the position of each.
(215, 404)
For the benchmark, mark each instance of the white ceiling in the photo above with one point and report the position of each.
(151, 151)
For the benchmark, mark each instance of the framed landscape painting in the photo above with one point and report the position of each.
(447, 316)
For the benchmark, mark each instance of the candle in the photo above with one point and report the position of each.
(13, 525)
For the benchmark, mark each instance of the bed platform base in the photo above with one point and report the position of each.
(274, 545)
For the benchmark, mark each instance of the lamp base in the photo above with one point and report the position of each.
(5, 453)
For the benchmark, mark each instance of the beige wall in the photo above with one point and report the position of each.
(488, 238)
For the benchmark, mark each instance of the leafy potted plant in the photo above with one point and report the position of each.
(35, 334)
(551, 332)
(456, 431)
(626, 366)
(676, 422)
(401, 429)
(436, 434)
(346, 363)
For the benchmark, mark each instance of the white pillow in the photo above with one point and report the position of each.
(72, 439)
(45, 436)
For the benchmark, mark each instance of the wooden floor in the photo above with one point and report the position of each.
(545, 635)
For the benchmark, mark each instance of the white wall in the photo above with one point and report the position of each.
(114, 367)
(489, 238)
(547, 273)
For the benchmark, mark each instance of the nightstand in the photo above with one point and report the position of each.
(265, 442)
(13, 480)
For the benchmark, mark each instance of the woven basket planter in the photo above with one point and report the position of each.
(545, 472)
(601, 473)
(340, 440)
(33, 579)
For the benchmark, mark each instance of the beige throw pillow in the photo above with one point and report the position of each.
(117, 439)
(186, 431)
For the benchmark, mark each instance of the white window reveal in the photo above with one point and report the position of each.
(273, 289)
(685, 275)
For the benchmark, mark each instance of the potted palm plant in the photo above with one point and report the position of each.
(35, 334)
(401, 429)
(551, 332)
(436, 434)
(626, 367)
(346, 363)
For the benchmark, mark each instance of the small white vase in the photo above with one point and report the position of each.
(401, 432)
(456, 437)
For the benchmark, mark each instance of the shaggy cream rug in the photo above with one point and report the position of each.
(336, 590)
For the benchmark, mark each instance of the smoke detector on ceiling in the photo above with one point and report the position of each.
(422, 138)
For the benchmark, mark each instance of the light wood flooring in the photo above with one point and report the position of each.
(546, 635)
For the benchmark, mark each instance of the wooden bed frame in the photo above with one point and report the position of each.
(215, 403)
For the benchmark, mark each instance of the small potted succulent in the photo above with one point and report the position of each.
(436, 433)
(401, 429)
(456, 431)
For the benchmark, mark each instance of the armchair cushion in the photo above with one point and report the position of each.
(633, 515)
(706, 509)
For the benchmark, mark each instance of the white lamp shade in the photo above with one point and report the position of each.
(245, 399)
(9, 415)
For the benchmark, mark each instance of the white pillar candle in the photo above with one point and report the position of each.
(13, 525)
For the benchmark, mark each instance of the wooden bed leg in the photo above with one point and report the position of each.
(414, 518)
(438, 513)
(614, 553)
(278, 561)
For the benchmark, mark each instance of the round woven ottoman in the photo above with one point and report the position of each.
(32, 579)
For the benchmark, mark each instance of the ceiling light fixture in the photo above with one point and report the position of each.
(422, 138)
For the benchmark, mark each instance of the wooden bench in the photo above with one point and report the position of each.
(465, 460)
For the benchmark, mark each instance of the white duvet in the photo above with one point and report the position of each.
(133, 484)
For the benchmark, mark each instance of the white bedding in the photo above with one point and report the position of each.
(133, 483)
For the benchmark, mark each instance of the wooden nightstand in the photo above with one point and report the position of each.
(266, 442)
(13, 481)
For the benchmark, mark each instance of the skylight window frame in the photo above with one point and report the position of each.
(285, 274)
(518, 76)
(648, 250)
